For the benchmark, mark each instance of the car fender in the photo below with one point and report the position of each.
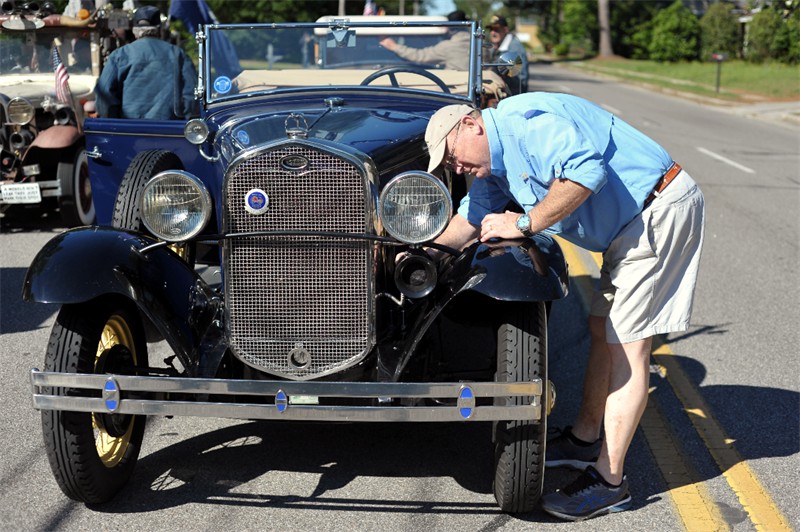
(529, 269)
(56, 137)
(523, 270)
(90, 262)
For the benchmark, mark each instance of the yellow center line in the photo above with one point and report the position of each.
(692, 501)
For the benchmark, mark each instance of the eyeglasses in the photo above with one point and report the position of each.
(450, 161)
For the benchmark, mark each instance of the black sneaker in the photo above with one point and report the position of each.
(563, 451)
(588, 496)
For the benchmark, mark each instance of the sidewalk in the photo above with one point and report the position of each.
(785, 113)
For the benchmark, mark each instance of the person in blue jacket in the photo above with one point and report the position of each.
(148, 78)
(577, 170)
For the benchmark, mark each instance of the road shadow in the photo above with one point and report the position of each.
(209, 468)
(26, 220)
(761, 421)
(17, 315)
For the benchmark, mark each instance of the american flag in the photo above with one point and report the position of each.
(63, 94)
(370, 8)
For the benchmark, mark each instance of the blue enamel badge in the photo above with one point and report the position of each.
(256, 201)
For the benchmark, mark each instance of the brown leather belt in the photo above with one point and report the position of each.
(665, 180)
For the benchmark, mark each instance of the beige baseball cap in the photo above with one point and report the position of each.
(441, 124)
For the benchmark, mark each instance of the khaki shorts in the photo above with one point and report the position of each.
(649, 271)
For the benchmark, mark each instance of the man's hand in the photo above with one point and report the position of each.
(388, 43)
(500, 226)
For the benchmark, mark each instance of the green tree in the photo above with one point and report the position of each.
(632, 26)
(786, 43)
(579, 25)
(676, 34)
(719, 31)
(761, 32)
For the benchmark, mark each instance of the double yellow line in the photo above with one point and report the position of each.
(691, 499)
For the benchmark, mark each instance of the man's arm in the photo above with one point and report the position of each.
(431, 54)
(560, 201)
(458, 234)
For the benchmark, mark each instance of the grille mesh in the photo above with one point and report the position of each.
(298, 293)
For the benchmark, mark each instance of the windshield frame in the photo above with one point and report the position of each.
(392, 26)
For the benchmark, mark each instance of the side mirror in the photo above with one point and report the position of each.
(508, 64)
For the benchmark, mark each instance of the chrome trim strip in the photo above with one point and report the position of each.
(201, 408)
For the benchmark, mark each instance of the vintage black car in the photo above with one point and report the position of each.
(263, 242)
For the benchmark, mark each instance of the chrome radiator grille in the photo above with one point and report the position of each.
(299, 306)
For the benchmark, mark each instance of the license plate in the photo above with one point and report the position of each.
(31, 169)
(21, 193)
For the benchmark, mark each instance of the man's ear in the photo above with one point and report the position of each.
(475, 125)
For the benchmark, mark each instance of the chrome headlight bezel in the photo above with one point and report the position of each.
(196, 131)
(404, 220)
(159, 215)
(20, 111)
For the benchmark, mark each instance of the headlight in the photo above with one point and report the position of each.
(415, 207)
(20, 111)
(175, 205)
(196, 131)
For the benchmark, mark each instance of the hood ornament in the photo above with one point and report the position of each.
(296, 126)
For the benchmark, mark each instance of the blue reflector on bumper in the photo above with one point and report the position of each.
(466, 402)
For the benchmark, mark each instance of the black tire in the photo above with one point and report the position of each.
(76, 205)
(93, 455)
(519, 445)
(127, 213)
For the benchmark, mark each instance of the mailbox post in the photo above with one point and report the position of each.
(719, 58)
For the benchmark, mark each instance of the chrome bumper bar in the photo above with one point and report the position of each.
(120, 394)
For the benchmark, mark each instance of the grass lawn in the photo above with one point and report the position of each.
(739, 81)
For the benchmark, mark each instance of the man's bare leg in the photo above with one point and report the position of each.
(595, 383)
(627, 398)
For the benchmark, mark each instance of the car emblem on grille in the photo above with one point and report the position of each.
(256, 201)
(294, 163)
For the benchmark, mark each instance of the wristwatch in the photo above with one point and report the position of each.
(524, 225)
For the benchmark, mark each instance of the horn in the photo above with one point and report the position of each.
(7, 7)
(46, 9)
(415, 275)
(63, 116)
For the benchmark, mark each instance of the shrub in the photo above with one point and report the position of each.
(719, 32)
(675, 34)
(786, 43)
(761, 32)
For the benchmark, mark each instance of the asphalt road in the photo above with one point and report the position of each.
(740, 358)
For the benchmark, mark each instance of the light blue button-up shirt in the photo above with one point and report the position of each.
(537, 137)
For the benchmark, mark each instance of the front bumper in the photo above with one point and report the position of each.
(178, 396)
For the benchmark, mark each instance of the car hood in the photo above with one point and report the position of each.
(36, 86)
(388, 136)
